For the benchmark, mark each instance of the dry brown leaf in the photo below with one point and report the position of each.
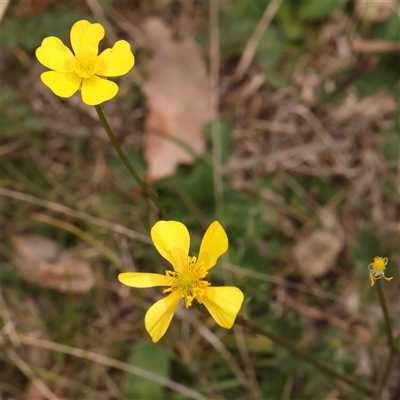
(179, 101)
(374, 10)
(3, 8)
(372, 108)
(40, 260)
(374, 46)
(316, 254)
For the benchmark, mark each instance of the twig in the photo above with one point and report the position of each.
(248, 362)
(9, 326)
(27, 371)
(324, 136)
(110, 362)
(279, 281)
(319, 366)
(216, 125)
(76, 214)
(101, 247)
(251, 46)
(99, 14)
(374, 46)
(216, 342)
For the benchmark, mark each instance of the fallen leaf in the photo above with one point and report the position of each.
(374, 10)
(371, 108)
(3, 8)
(179, 101)
(41, 260)
(317, 253)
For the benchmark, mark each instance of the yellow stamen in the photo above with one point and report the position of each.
(377, 269)
(85, 65)
(379, 263)
(189, 283)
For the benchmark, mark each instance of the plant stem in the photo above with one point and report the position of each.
(390, 339)
(145, 187)
(106, 251)
(326, 369)
(388, 323)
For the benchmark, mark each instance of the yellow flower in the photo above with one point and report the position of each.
(86, 70)
(377, 269)
(186, 281)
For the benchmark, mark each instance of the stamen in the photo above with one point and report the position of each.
(190, 282)
(85, 64)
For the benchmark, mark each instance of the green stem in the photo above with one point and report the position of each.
(326, 369)
(145, 187)
(388, 323)
(390, 339)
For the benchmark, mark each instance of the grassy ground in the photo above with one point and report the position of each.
(308, 194)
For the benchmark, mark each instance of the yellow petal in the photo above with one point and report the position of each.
(159, 315)
(86, 37)
(372, 280)
(116, 61)
(388, 279)
(54, 54)
(223, 303)
(213, 245)
(62, 84)
(172, 240)
(143, 280)
(97, 90)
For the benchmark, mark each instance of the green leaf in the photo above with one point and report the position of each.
(387, 30)
(383, 75)
(270, 48)
(313, 10)
(199, 184)
(225, 136)
(35, 124)
(290, 23)
(122, 173)
(57, 22)
(150, 357)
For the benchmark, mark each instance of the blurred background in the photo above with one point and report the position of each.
(279, 119)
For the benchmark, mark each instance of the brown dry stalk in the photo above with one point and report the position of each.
(27, 371)
(251, 46)
(110, 362)
(374, 46)
(76, 214)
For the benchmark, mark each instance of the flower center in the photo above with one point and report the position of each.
(85, 64)
(379, 264)
(189, 283)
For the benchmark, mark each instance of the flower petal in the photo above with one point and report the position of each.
(172, 240)
(86, 36)
(223, 303)
(54, 54)
(62, 84)
(213, 245)
(116, 61)
(372, 280)
(97, 90)
(143, 280)
(159, 315)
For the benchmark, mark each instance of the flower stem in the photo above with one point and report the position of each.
(390, 339)
(145, 187)
(388, 324)
(326, 369)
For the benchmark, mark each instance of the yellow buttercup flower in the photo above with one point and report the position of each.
(86, 69)
(377, 269)
(186, 281)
